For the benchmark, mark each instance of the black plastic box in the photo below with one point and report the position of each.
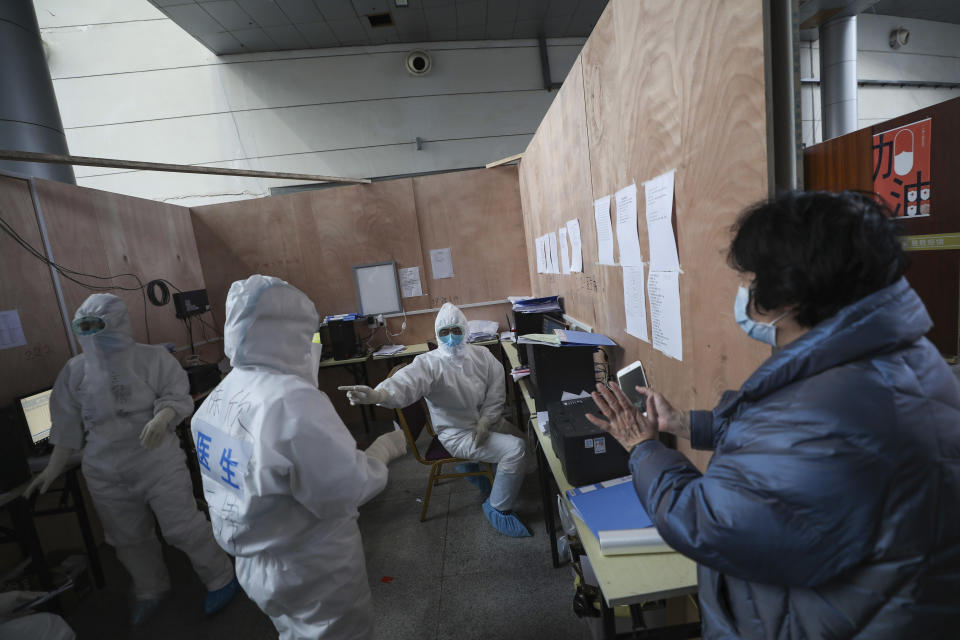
(191, 303)
(586, 453)
(554, 370)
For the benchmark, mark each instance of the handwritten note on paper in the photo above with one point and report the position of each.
(627, 238)
(410, 282)
(564, 252)
(573, 231)
(601, 213)
(554, 258)
(11, 331)
(634, 303)
(442, 261)
(664, 290)
(663, 245)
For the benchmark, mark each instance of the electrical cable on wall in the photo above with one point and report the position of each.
(147, 290)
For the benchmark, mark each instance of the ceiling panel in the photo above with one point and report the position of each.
(300, 11)
(935, 10)
(365, 7)
(288, 37)
(265, 25)
(336, 9)
(229, 14)
(193, 19)
(266, 13)
(319, 35)
(349, 32)
(442, 18)
(254, 39)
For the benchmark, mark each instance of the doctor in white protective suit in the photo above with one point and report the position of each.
(463, 385)
(120, 401)
(282, 475)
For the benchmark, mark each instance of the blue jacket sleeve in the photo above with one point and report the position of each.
(763, 515)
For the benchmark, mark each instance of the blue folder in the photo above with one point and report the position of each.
(610, 506)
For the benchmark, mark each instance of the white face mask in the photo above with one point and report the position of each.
(765, 332)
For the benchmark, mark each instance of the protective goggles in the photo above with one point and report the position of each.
(453, 329)
(88, 325)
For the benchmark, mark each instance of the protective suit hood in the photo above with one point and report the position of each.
(118, 332)
(270, 324)
(450, 315)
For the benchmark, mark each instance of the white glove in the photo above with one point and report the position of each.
(13, 599)
(154, 431)
(481, 431)
(56, 466)
(388, 447)
(361, 394)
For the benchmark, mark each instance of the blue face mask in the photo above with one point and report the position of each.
(764, 332)
(451, 339)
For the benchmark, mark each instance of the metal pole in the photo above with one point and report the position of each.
(838, 76)
(29, 116)
(176, 168)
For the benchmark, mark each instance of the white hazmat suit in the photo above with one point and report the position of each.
(465, 391)
(281, 473)
(101, 401)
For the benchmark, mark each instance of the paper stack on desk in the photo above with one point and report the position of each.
(389, 349)
(614, 514)
(537, 305)
(478, 330)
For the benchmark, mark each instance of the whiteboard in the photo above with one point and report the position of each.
(377, 288)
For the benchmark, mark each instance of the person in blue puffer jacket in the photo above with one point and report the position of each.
(831, 506)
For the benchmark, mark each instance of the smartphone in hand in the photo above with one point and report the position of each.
(631, 377)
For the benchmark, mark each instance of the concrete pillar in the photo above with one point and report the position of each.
(838, 76)
(29, 115)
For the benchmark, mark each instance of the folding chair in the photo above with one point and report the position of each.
(413, 420)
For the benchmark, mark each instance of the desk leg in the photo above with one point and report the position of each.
(609, 620)
(29, 540)
(73, 486)
(547, 495)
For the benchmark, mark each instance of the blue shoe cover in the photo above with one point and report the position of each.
(217, 600)
(480, 482)
(143, 610)
(505, 522)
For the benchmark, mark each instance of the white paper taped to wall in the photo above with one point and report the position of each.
(442, 262)
(11, 331)
(410, 282)
(601, 214)
(627, 238)
(573, 231)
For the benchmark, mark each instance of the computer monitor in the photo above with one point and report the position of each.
(36, 414)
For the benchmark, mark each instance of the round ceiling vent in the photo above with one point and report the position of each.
(418, 62)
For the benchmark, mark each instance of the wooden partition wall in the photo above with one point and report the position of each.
(90, 232)
(659, 85)
(313, 239)
(847, 162)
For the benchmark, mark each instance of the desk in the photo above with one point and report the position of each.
(23, 512)
(623, 580)
(358, 368)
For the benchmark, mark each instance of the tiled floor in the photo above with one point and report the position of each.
(452, 576)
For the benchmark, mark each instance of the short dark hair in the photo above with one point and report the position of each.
(816, 251)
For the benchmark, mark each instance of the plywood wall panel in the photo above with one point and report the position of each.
(104, 234)
(666, 86)
(311, 239)
(27, 286)
(478, 215)
(558, 185)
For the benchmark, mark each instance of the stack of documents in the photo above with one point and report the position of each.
(540, 338)
(578, 338)
(520, 372)
(478, 330)
(537, 305)
(342, 316)
(389, 349)
(614, 514)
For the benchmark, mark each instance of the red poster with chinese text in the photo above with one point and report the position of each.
(901, 168)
